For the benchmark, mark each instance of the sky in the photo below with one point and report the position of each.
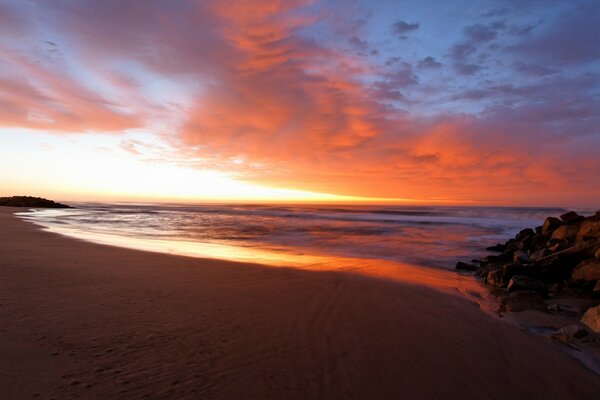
(460, 102)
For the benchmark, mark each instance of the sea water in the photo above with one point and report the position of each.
(434, 236)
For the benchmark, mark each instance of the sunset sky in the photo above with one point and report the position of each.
(483, 102)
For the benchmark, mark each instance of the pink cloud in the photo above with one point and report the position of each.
(299, 111)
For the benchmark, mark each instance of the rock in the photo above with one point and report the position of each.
(553, 288)
(497, 247)
(525, 233)
(587, 270)
(485, 269)
(576, 253)
(539, 254)
(570, 311)
(575, 293)
(596, 289)
(522, 282)
(569, 333)
(522, 300)
(597, 255)
(588, 229)
(567, 233)
(558, 246)
(571, 217)
(591, 318)
(28, 201)
(499, 259)
(496, 278)
(539, 241)
(466, 267)
(500, 277)
(521, 258)
(550, 224)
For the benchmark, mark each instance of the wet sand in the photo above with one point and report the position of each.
(88, 321)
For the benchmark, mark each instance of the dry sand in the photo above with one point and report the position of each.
(81, 320)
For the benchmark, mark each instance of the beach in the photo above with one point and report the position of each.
(84, 320)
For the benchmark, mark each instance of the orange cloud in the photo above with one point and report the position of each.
(301, 112)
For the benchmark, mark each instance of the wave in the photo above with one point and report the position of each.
(429, 235)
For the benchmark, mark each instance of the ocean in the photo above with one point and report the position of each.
(433, 236)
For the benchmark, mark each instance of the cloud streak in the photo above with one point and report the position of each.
(270, 85)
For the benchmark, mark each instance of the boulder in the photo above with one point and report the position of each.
(569, 333)
(497, 247)
(522, 282)
(587, 270)
(522, 300)
(521, 258)
(496, 278)
(575, 293)
(466, 267)
(524, 234)
(499, 259)
(539, 241)
(570, 311)
(588, 229)
(591, 318)
(500, 277)
(567, 233)
(571, 217)
(550, 224)
(539, 254)
(574, 254)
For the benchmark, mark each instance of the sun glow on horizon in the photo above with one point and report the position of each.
(94, 167)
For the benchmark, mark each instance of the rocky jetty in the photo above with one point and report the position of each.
(559, 259)
(28, 201)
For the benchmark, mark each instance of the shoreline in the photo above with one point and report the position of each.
(82, 319)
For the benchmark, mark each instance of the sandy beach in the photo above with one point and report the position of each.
(88, 321)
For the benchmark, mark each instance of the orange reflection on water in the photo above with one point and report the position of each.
(435, 278)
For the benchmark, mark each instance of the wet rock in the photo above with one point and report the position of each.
(571, 217)
(539, 241)
(499, 259)
(522, 300)
(550, 224)
(553, 288)
(566, 233)
(524, 234)
(575, 293)
(570, 333)
(496, 278)
(576, 253)
(522, 282)
(497, 247)
(587, 270)
(591, 319)
(570, 311)
(466, 267)
(500, 277)
(589, 229)
(521, 258)
(539, 254)
(485, 269)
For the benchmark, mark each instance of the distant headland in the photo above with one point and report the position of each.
(29, 201)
